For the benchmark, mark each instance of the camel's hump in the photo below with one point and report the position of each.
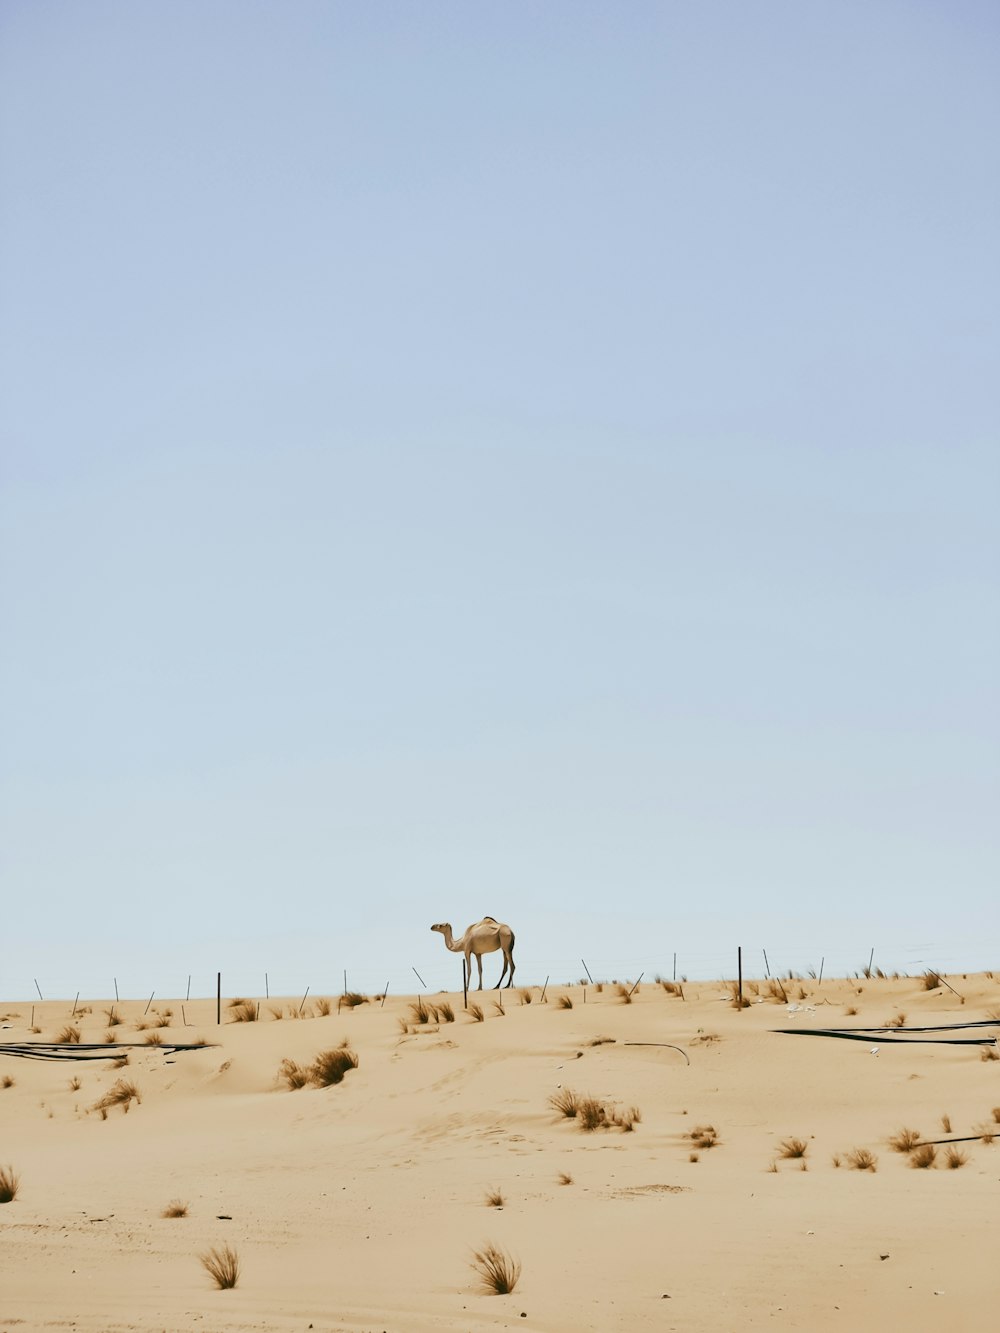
(491, 918)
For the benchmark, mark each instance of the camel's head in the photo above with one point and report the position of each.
(442, 926)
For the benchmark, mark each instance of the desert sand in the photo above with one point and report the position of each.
(358, 1206)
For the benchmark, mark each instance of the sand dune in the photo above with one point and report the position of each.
(357, 1206)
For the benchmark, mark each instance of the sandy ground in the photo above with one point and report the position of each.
(357, 1207)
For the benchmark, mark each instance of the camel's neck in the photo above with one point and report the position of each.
(456, 946)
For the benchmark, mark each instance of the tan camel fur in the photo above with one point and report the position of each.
(484, 936)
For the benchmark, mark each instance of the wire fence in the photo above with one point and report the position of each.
(443, 972)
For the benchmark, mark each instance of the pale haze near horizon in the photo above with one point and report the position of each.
(527, 460)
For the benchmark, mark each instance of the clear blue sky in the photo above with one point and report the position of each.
(537, 459)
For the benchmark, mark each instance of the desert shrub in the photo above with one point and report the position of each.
(419, 1012)
(905, 1140)
(501, 1011)
(153, 1039)
(792, 1148)
(850, 1010)
(946, 1123)
(564, 1178)
(111, 1016)
(223, 1264)
(931, 979)
(498, 1271)
(995, 1113)
(244, 1011)
(923, 1157)
(525, 995)
(445, 1012)
(897, 1021)
(162, 1020)
(564, 1002)
(9, 1184)
(74, 1084)
(476, 1013)
(175, 1209)
(989, 1053)
(276, 1012)
(110, 1038)
(954, 1158)
(986, 1134)
(70, 1035)
(6, 1081)
(323, 1006)
(494, 1199)
(623, 993)
(862, 1159)
(293, 1075)
(352, 999)
(329, 1067)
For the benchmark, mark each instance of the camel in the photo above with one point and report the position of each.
(484, 936)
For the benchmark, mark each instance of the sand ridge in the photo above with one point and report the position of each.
(357, 1206)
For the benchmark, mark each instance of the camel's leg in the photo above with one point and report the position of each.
(479, 960)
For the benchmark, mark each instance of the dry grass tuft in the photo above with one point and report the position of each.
(9, 1184)
(121, 1093)
(995, 1113)
(111, 1017)
(986, 1134)
(897, 1021)
(989, 1053)
(445, 1012)
(905, 1140)
(566, 1102)
(494, 1199)
(244, 1011)
(601, 1041)
(153, 1039)
(110, 1038)
(525, 995)
(329, 1067)
(276, 1012)
(162, 1020)
(498, 1006)
(175, 1209)
(623, 993)
(564, 1178)
(352, 999)
(923, 1157)
(954, 1158)
(850, 1010)
(498, 1271)
(75, 1084)
(793, 1148)
(946, 1123)
(121, 1060)
(772, 1170)
(564, 1002)
(476, 1013)
(323, 1006)
(6, 1081)
(931, 979)
(224, 1266)
(70, 1035)
(703, 1136)
(419, 1013)
(293, 1074)
(862, 1159)
(693, 1157)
